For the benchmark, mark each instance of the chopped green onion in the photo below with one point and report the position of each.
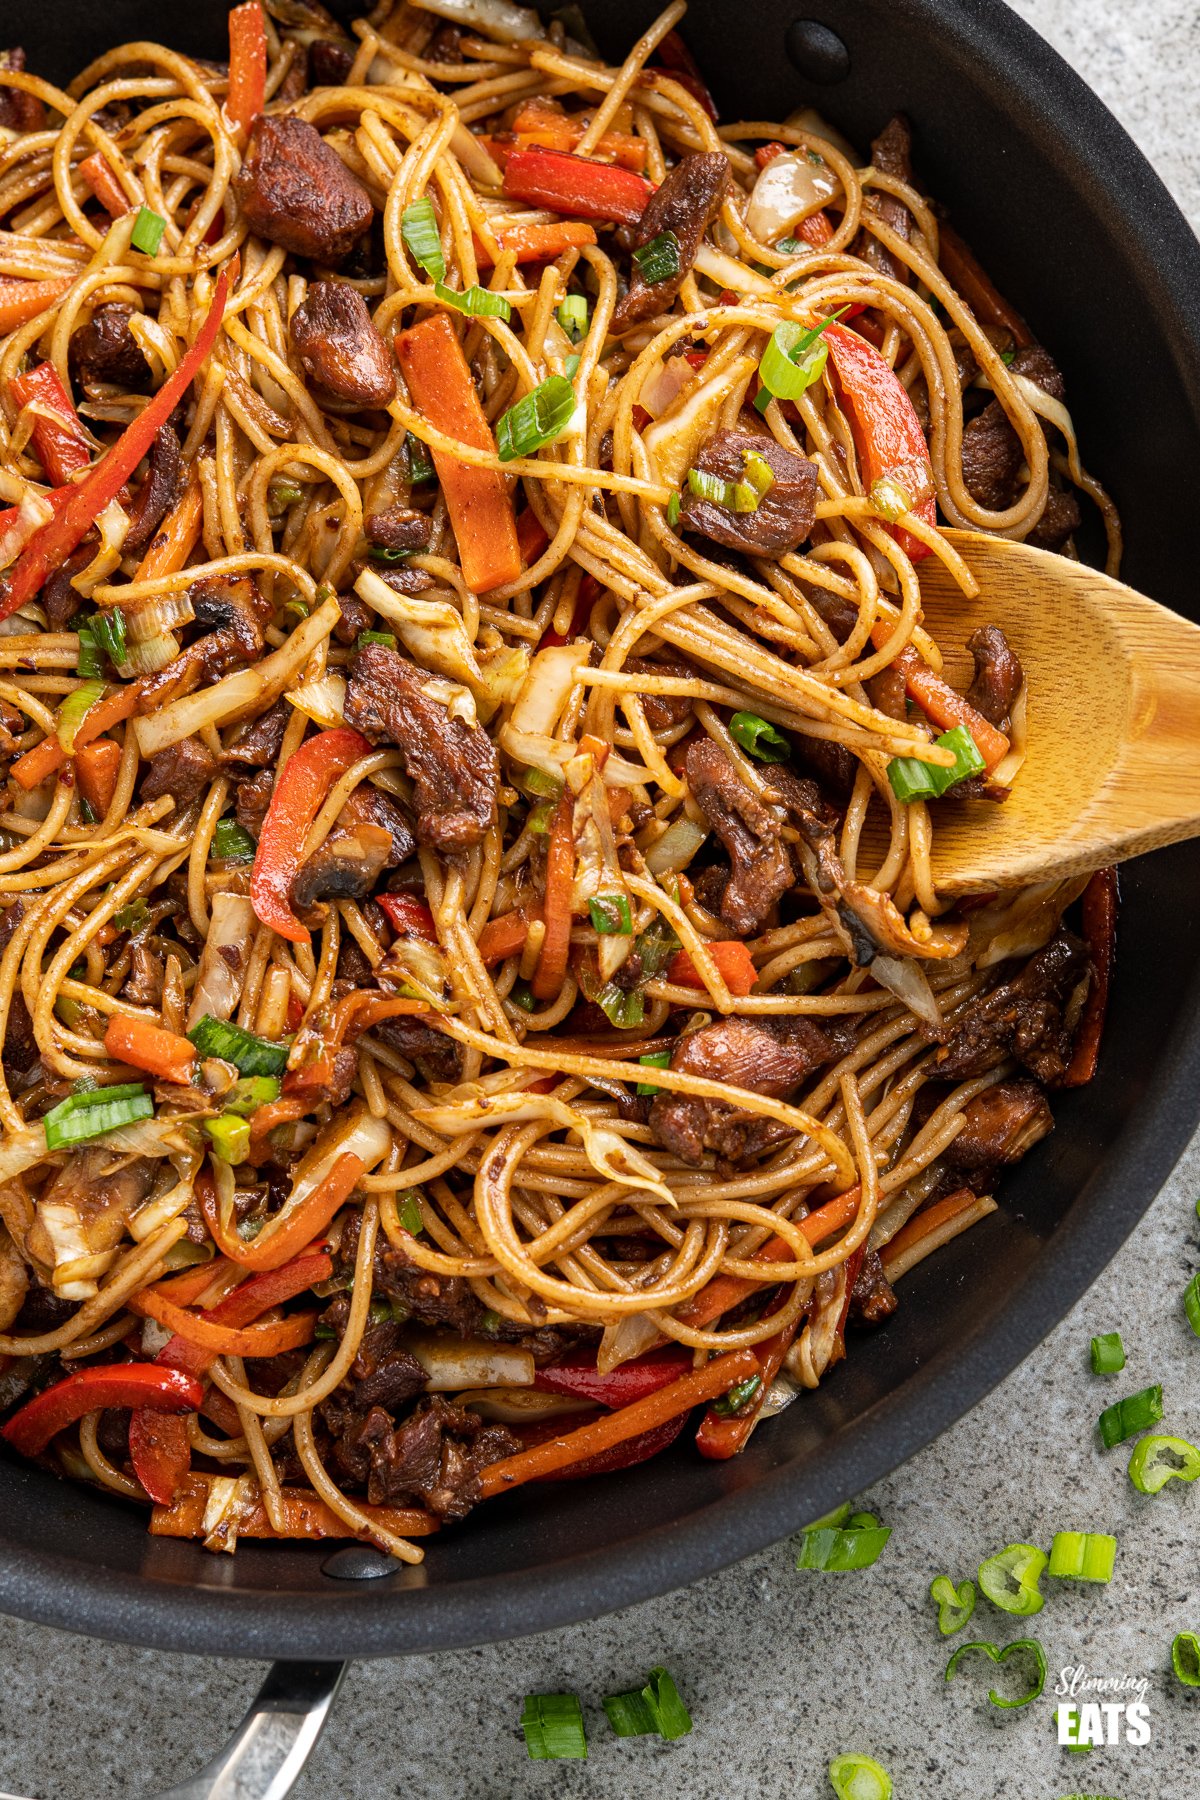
(1191, 1302)
(659, 259)
(889, 499)
(420, 464)
(232, 842)
(1157, 1460)
(521, 994)
(793, 359)
(540, 817)
(132, 917)
(629, 1714)
(835, 1551)
(787, 246)
(477, 302)
(737, 496)
(858, 1777)
(71, 713)
(419, 229)
(758, 738)
(759, 473)
(571, 366)
(1108, 1353)
(542, 783)
(1007, 357)
(1082, 1556)
(411, 1216)
(739, 1397)
(1010, 1579)
(147, 232)
(490, 1322)
(282, 494)
(90, 663)
(86, 814)
(673, 509)
(621, 1008)
(656, 1707)
(91, 1114)
(553, 1727)
(251, 1092)
(572, 315)
(656, 946)
(537, 419)
(659, 1059)
(611, 916)
(955, 1604)
(385, 554)
(1185, 1658)
(249, 1055)
(386, 638)
(914, 780)
(1137, 1412)
(108, 629)
(230, 1136)
(837, 1518)
(998, 1655)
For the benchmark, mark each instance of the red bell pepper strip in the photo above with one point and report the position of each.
(104, 185)
(622, 1456)
(145, 1046)
(887, 431)
(674, 55)
(135, 1385)
(815, 230)
(582, 1380)
(590, 591)
(576, 186)
(21, 300)
(300, 791)
(247, 65)
(409, 916)
(161, 1453)
(551, 970)
(61, 445)
(532, 537)
(1100, 933)
(732, 958)
(53, 543)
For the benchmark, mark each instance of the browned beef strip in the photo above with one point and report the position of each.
(368, 805)
(1036, 363)
(345, 867)
(232, 613)
(251, 800)
(329, 63)
(258, 746)
(356, 617)
(335, 338)
(891, 154)
(433, 1459)
(784, 516)
(1032, 1017)
(402, 580)
(399, 528)
(60, 599)
(991, 458)
(840, 615)
(749, 830)
(295, 190)
(20, 1046)
(183, 770)
(105, 352)
(998, 675)
(19, 111)
(1060, 518)
(872, 1298)
(1002, 1125)
(437, 1056)
(157, 492)
(833, 765)
(686, 203)
(663, 711)
(452, 765)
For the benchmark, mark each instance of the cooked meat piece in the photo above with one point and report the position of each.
(251, 800)
(145, 984)
(232, 603)
(157, 493)
(441, 1300)
(872, 1298)
(783, 517)
(664, 711)
(452, 765)
(891, 154)
(686, 204)
(354, 969)
(334, 337)
(840, 615)
(295, 190)
(437, 1056)
(991, 458)
(445, 45)
(761, 866)
(19, 111)
(404, 581)
(770, 1059)
(1031, 1017)
(10, 917)
(346, 867)
(1036, 363)
(328, 63)
(259, 744)
(60, 599)
(433, 1459)
(183, 770)
(327, 1083)
(1060, 518)
(999, 676)
(834, 765)
(888, 694)
(368, 805)
(356, 617)
(399, 528)
(20, 1046)
(105, 353)
(1002, 1125)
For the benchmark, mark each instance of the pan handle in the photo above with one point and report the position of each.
(263, 1760)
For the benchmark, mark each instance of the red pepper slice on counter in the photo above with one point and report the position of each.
(732, 959)
(53, 542)
(409, 916)
(300, 791)
(1100, 934)
(161, 1453)
(582, 1380)
(247, 65)
(565, 183)
(60, 441)
(135, 1385)
(887, 431)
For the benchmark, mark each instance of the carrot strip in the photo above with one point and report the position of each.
(188, 1285)
(532, 536)
(104, 185)
(503, 937)
(294, 1227)
(247, 65)
(175, 539)
(538, 123)
(733, 960)
(533, 242)
(145, 1046)
(478, 500)
(38, 764)
(726, 1291)
(947, 708)
(21, 301)
(616, 1427)
(560, 878)
(1100, 933)
(304, 1514)
(719, 1438)
(96, 767)
(229, 1340)
(927, 1221)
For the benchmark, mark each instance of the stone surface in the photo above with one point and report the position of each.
(782, 1670)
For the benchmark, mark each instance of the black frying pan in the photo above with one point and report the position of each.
(1077, 229)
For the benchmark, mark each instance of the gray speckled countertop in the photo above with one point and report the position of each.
(782, 1670)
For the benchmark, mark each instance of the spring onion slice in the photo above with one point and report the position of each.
(659, 259)
(72, 711)
(913, 780)
(147, 234)
(955, 1604)
(230, 1136)
(835, 1552)
(1108, 1352)
(998, 1655)
(89, 664)
(629, 1715)
(737, 496)
(553, 1727)
(857, 1777)
(386, 638)
(249, 1055)
(108, 629)
(537, 419)
(793, 359)
(1010, 1579)
(232, 842)
(658, 1059)
(411, 1216)
(655, 1707)
(759, 473)
(1136, 1412)
(1157, 1460)
(610, 915)
(1082, 1555)
(132, 917)
(419, 229)
(1191, 1302)
(420, 465)
(673, 508)
(96, 1111)
(1185, 1658)
(572, 315)
(738, 1397)
(476, 301)
(758, 738)
(248, 1094)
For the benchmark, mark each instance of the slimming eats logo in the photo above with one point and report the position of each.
(1101, 1709)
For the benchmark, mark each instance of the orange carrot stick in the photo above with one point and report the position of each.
(478, 500)
(229, 1340)
(539, 122)
(560, 877)
(928, 1220)
(149, 1047)
(725, 1291)
(503, 937)
(278, 1242)
(104, 185)
(944, 705)
(21, 301)
(175, 539)
(38, 764)
(96, 767)
(305, 1516)
(734, 963)
(534, 242)
(247, 65)
(188, 1285)
(616, 1427)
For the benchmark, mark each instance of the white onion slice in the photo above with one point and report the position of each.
(498, 19)
(453, 1363)
(905, 978)
(790, 188)
(324, 701)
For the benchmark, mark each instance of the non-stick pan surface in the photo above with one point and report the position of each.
(1077, 229)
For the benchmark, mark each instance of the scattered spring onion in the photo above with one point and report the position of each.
(248, 1094)
(386, 638)
(231, 842)
(389, 557)
(737, 496)
(1108, 1353)
(622, 1009)
(674, 505)
(1082, 1556)
(659, 259)
(1137, 1412)
(133, 916)
(759, 473)
(537, 419)
(71, 713)
(1157, 1460)
(998, 1655)
(281, 495)
(857, 1777)
(758, 738)
(553, 1727)
(738, 1398)
(656, 1707)
(658, 1059)
(542, 783)
(147, 232)
(656, 946)
(1010, 1579)
(90, 663)
(571, 367)
(610, 915)
(1191, 1302)
(411, 1216)
(955, 1604)
(835, 1551)
(572, 315)
(521, 994)
(890, 499)
(230, 1136)
(108, 629)
(420, 464)
(538, 820)
(249, 1055)
(94, 1112)
(419, 229)
(793, 359)
(913, 780)
(1185, 1658)
(477, 302)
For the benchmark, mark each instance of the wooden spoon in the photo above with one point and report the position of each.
(1113, 725)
